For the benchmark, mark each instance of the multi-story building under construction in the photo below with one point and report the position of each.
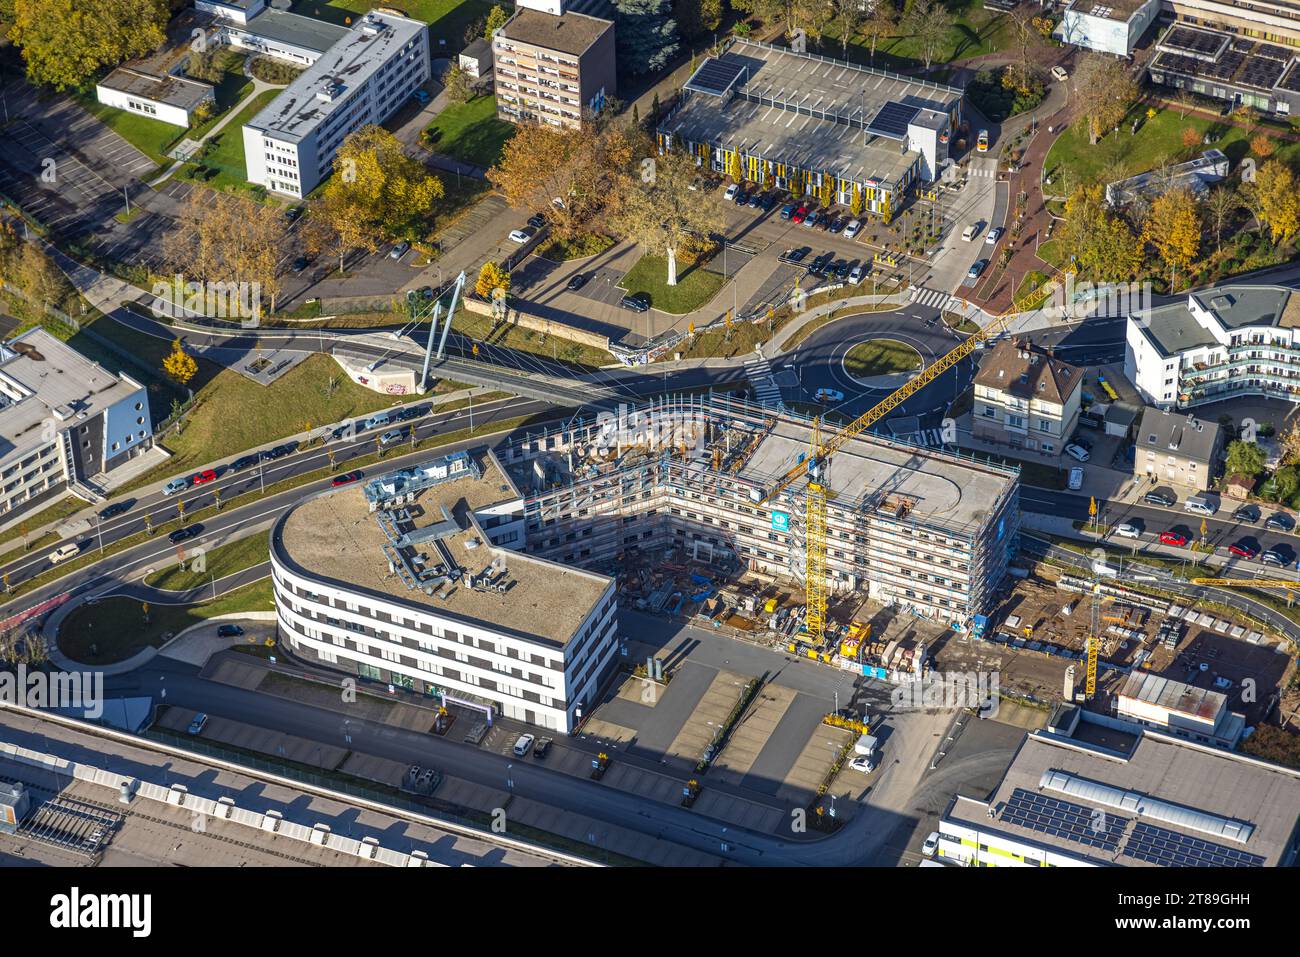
(924, 530)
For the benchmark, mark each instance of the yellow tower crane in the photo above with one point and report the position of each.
(818, 490)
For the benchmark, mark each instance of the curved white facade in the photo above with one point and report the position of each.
(416, 646)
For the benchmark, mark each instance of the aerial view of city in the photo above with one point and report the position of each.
(626, 434)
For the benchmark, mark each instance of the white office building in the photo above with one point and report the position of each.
(1107, 26)
(290, 146)
(412, 581)
(1220, 343)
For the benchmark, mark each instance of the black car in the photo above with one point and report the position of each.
(426, 293)
(1159, 497)
(755, 200)
(637, 302)
(229, 631)
(1275, 558)
(837, 225)
(1247, 515)
(244, 462)
(796, 255)
(742, 198)
(301, 263)
(841, 268)
(576, 281)
(181, 534)
(820, 263)
(292, 213)
(117, 508)
(280, 451)
(411, 412)
(542, 747)
(768, 202)
(1279, 521)
(537, 220)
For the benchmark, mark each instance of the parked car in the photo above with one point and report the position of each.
(820, 263)
(1059, 73)
(407, 413)
(829, 395)
(522, 236)
(857, 273)
(1246, 514)
(788, 210)
(197, 725)
(1279, 522)
(247, 461)
(811, 219)
(391, 436)
(576, 281)
(420, 96)
(229, 631)
(346, 428)
(204, 477)
(931, 844)
(117, 508)
(1128, 530)
(732, 192)
(797, 255)
(176, 485)
(1274, 557)
(1243, 550)
(1160, 497)
(301, 263)
(836, 225)
(1173, 538)
(523, 745)
(346, 479)
(1077, 452)
(768, 202)
(976, 268)
(755, 200)
(994, 235)
(1076, 479)
(537, 220)
(863, 764)
(841, 269)
(400, 250)
(542, 747)
(182, 534)
(799, 215)
(853, 228)
(637, 302)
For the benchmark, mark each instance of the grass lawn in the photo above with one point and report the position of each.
(695, 286)
(218, 563)
(976, 32)
(139, 356)
(1157, 140)
(114, 629)
(880, 357)
(579, 247)
(471, 131)
(224, 153)
(151, 137)
(447, 19)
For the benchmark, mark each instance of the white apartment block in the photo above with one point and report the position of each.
(1221, 343)
(409, 581)
(290, 146)
(63, 421)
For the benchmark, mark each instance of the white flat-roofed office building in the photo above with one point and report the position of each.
(1107, 26)
(290, 146)
(63, 420)
(1220, 343)
(283, 35)
(409, 580)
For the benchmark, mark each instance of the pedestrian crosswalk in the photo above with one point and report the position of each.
(934, 298)
(759, 373)
(985, 172)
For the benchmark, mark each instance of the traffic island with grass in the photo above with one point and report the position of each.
(881, 357)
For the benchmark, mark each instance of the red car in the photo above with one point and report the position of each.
(203, 478)
(345, 479)
(1243, 550)
(800, 215)
(1173, 538)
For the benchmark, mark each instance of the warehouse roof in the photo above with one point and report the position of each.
(1159, 801)
(336, 537)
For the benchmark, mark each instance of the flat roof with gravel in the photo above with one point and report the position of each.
(336, 537)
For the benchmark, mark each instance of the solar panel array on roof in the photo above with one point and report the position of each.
(1262, 74)
(892, 120)
(1271, 52)
(1165, 848)
(1291, 81)
(715, 76)
(1074, 822)
(1197, 41)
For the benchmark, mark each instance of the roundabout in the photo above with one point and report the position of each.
(866, 356)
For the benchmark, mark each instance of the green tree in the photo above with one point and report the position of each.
(662, 213)
(457, 84)
(65, 43)
(496, 19)
(697, 18)
(646, 35)
(1244, 458)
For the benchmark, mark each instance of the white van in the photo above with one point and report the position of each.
(377, 421)
(64, 552)
(970, 232)
(1200, 504)
(1060, 74)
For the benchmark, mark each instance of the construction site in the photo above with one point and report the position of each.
(1036, 639)
(671, 500)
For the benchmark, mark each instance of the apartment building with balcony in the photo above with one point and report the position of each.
(1026, 398)
(362, 79)
(411, 581)
(63, 421)
(1177, 449)
(1236, 340)
(550, 68)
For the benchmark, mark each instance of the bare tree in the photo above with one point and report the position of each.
(880, 22)
(930, 23)
(1219, 206)
(1107, 89)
